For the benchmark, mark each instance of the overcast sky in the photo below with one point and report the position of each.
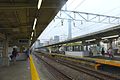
(103, 7)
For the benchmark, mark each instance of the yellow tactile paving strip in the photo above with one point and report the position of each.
(107, 62)
(103, 61)
(34, 73)
(99, 61)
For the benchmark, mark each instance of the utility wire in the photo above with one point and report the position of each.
(79, 4)
(75, 9)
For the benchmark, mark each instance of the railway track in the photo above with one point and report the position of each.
(58, 75)
(97, 74)
(91, 72)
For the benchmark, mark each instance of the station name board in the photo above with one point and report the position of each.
(23, 41)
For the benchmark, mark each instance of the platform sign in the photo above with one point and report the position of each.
(23, 41)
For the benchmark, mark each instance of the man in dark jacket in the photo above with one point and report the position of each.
(14, 54)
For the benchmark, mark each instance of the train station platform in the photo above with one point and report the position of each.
(107, 58)
(96, 59)
(115, 61)
(22, 69)
(103, 60)
(16, 71)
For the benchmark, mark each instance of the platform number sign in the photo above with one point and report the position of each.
(23, 41)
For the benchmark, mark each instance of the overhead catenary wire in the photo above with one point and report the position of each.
(52, 28)
(98, 23)
(69, 5)
(86, 23)
(79, 4)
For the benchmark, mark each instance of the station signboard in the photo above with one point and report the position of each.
(23, 41)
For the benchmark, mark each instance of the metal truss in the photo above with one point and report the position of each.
(88, 17)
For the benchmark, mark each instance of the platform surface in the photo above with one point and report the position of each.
(18, 71)
(117, 58)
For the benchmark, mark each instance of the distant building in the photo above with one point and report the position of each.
(51, 41)
(36, 44)
(46, 43)
(41, 44)
(56, 39)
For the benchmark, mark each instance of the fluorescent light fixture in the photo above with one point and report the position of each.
(90, 40)
(39, 3)
(80, 42)
(32, 34)
(34, 23)
(110, 36)
(31, 38)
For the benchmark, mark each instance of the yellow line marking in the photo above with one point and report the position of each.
(34, 73)
(96, 66)
(107, 62)
(100, 61)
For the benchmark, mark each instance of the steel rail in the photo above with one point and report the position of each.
(98, 74)
(62, 74)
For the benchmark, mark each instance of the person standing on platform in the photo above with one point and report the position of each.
(103, 51)
(14, 54)
(90, 52)
(110, 52)
(27, 53)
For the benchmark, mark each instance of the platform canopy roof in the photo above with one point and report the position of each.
(17, 18)
(113, 32)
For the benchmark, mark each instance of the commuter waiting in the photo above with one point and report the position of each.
(14, 54)
(27, 52)
(110, 52)
(103, 51)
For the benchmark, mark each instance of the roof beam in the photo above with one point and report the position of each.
(17, 5)
(25, 5)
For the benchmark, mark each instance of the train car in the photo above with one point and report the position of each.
(75, 49)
